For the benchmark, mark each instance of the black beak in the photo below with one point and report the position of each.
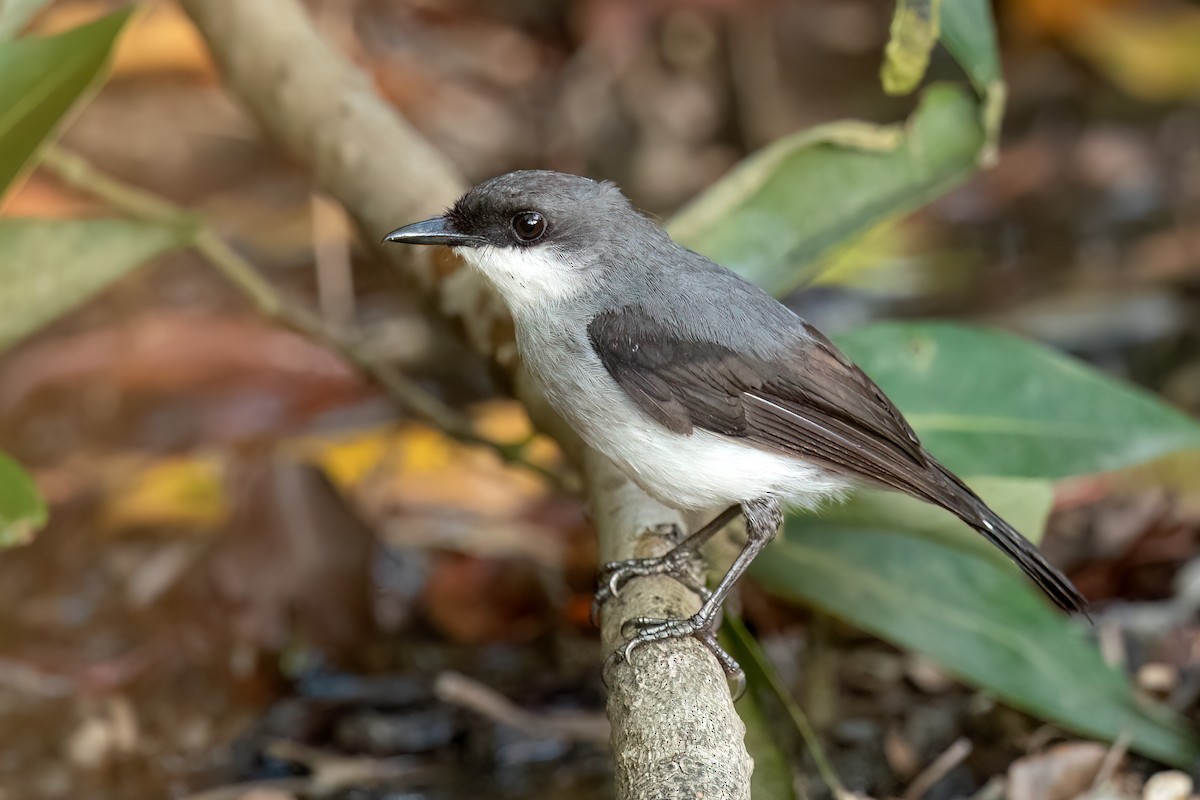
(432, 231)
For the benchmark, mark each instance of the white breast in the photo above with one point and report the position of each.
(527, 277)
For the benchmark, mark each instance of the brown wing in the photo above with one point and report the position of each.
(811, 403)
(814, 403)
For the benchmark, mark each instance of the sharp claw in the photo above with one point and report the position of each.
(594, 613)
(614, 575)
(609, 663)
(738, 682)
(642, 630)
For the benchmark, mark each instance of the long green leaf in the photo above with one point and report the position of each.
(987, 403)
(783, 208)
(980, 622)
(22, 509)
(41, 79)
(49, 266)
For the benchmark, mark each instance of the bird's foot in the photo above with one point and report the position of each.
(702, 627)
(676, 563)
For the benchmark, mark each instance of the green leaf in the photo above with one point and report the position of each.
(981, 623)
(965, 27)
(14, 14)
(49, 266)
(987, 403)
(781, 209)
(914, 33)
(969, 33)
(1025, 503)
(40, 80)
(22, 509)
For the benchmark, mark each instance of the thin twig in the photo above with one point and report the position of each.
(278, 787)
(951, 758)
(333, 771)
(1112, 760)
(459, 690)
(407, 393)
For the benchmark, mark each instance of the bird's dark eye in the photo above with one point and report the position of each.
(529, 226)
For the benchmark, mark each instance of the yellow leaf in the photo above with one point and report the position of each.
(185, 491)
(426, 450)
(349, 459)
(502, 421)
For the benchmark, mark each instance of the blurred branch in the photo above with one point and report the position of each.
(671, 713)
(954, 755)
(459, 690)
(407, 393)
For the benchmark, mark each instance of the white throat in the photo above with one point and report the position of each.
(527, 277)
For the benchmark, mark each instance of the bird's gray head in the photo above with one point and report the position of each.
(540, 237)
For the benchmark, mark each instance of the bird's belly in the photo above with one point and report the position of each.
(704, 470)
(700, 470)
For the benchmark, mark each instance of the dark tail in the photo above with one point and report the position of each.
(954, 495)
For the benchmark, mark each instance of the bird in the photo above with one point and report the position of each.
(701, 388)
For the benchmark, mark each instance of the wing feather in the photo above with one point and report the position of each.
(813, 402)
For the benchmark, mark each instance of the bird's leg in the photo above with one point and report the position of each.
(615, 574)
(763, 518)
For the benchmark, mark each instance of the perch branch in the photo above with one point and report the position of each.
(675, 732)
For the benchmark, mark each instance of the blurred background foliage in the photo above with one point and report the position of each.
(235, 510)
